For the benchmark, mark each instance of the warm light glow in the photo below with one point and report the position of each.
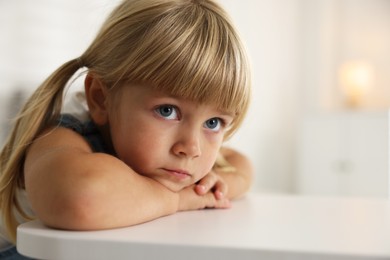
(356, 79)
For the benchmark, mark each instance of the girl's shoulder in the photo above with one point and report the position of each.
(88, 130)
(54, 139)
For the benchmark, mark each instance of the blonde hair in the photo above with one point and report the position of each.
(187, 48)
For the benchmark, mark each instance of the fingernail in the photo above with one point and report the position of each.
(219, 195)
(202, 188)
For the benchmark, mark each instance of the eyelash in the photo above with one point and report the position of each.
(220, 126)
(158, 110)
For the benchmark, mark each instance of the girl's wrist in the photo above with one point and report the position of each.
(170, 199)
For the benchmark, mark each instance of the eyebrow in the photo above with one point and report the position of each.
(161, 94)
(226, 113)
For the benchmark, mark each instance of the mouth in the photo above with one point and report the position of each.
(177, 173)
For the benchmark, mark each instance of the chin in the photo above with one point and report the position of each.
(175, 187)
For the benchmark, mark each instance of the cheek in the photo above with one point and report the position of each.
(139, 149)
(210, 156)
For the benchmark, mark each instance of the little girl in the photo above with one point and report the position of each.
(166, 83)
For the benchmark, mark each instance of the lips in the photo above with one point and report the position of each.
(180, 174)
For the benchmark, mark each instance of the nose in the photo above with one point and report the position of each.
(187, 144)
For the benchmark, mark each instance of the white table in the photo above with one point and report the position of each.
(256, 227)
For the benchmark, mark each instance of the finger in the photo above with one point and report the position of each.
(211, 202)
(220, 190)
(222, 204)
(205, 184)
(200, 189)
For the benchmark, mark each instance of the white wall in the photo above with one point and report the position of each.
(271, 30)
(36, 38)
(338, 31)
(40, 35)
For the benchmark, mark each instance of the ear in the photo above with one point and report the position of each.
(96, 95)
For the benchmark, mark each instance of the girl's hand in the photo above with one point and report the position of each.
(214, 183)
(190, 200)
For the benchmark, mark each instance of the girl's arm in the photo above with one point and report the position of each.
(70, 187)
(240, 180)
(231, 183)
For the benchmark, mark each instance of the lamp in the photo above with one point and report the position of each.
(356, 79)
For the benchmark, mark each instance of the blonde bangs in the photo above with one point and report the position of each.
(189, 49)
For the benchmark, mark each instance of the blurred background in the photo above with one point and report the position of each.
(319, 120)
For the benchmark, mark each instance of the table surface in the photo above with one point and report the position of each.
(257, 226)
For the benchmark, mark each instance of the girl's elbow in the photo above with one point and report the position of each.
(81, 213)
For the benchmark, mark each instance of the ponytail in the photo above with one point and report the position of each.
(39, 112)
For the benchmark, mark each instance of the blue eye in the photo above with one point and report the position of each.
(167, 112)
(213, 124)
